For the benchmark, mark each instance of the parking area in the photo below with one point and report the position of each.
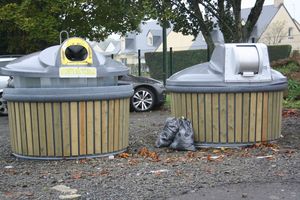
(145, 172)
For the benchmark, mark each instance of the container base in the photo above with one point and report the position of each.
(70, 157)
(198, 145)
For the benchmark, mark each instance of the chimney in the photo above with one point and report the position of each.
(278, 3)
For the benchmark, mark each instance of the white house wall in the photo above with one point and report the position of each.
(283, 16)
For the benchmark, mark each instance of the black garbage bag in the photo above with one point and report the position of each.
(184, 139)
(167, 136)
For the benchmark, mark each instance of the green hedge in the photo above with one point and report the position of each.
(181, 60)
(278, 52)
(184, 59)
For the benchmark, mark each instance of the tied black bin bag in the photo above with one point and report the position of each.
(177, 134)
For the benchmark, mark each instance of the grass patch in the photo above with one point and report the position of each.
(288, 69)
(291, 104)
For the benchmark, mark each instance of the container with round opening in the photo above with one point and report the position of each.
(233, 100)
(67, 103)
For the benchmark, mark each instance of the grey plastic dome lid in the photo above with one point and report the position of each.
(72, 59)
(233, 67)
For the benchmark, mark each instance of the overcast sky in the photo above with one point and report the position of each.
(293, 6)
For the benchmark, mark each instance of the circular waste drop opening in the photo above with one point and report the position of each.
(76, 53)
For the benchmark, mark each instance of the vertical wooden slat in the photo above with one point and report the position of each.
(18, 128)
(178, 105)
(215, 118)
(280, 113)
(201, 114)
(66, 128)
(189, 115)
(104, 126)
(127, 122)
(74, 128)
(277, 115)
(208, 117)
(223, 118)
(121, 128)
(23, 128)
(183, 104)
(195, 117)
(259, 117)
(111, 125)
(10, 125)
(270, 114)
(274, 116)
(238, 117)
(231, 118)
(82, 128)
(246, 116)
(173, 110)
(265, 116)
(57, 129)
(90, 127)
(117, 125)
(35, 129)
(252, 124)
(49, 129)
(97, 127)
(42, 129)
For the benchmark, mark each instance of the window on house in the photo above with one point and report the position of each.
(129, 43)
(290, 32)
(150, 40)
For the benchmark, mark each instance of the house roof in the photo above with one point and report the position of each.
(297, 24)
(140, 37)
(266, 16)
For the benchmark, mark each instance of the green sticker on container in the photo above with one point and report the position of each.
(77, 72)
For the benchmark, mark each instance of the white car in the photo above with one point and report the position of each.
(4, 81)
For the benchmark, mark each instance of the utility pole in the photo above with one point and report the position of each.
(164, 37)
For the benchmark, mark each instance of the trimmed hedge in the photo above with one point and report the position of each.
(181, 60)
(184, 59)
(278, 52)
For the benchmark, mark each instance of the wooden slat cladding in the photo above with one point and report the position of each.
(231, 118)
(69, 129)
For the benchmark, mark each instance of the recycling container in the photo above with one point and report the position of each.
(67, 103)
(235, 99)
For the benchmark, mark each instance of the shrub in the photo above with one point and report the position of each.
(278, 52)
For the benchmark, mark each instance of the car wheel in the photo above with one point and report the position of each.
(143, 100)
(3, 106)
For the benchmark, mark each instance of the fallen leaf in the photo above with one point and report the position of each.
(191, 154)
(82, 161)
(133, 162)
(104, 173)
(76, 175)
(149, 154)
(124, 155)
(215, 158)
(216, 151)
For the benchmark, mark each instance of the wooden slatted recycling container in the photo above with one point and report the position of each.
(234, 99)
(67, 103)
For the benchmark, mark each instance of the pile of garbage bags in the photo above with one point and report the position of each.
(177, 134)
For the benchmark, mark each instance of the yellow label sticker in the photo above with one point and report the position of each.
(77, 72)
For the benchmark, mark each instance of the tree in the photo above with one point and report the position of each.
(276, 33)
(31, 25)
(195, 16)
